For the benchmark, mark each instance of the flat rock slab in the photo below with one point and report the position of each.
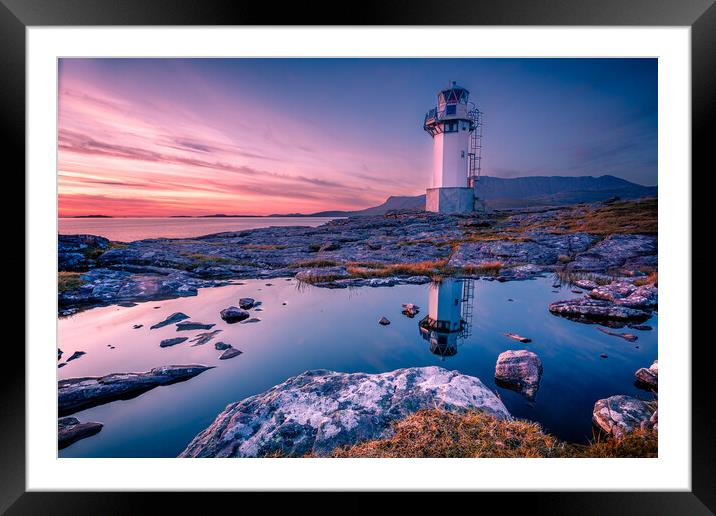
(590, 310)
(191, 325)
(621, 415)
(626, 336)
(648, 377)
(80, 393)
(319, 410)
(519, 370)
(172, 342)
(70, 430)
(173, 318)
(229, 353)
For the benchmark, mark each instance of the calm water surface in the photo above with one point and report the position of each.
(130, 229)
(338, 330)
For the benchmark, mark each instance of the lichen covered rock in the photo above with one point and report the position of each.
(317, 411)
(621, 415)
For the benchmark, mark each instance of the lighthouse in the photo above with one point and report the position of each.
(455, 125)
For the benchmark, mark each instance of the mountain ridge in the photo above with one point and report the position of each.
(517, 192)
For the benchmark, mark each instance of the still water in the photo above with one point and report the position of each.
(339, 330)
(130, 229)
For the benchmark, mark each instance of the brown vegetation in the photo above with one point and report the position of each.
(69, 281)
(438, 433)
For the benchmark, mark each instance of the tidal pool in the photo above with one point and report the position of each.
(318, 328)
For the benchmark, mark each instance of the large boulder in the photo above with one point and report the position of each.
(80, 393)
(648, 377)
(519, 370)
(621, 415)
(320, 410)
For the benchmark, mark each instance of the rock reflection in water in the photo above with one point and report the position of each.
(449, 318)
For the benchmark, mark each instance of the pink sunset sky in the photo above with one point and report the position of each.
(161, 137)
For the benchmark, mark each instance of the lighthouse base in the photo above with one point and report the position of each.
(450, 200)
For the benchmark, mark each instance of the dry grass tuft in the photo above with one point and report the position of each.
(621, 217)
(437, 433)
(651, 279)
(380, 270)
(485, 268)
(69, 281)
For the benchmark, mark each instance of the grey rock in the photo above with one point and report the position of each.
(620, 415)
(172, 342)
(648, 378)
(384, 321)
(519, 370)
(586, 284)
(246, 303)
(234, 314)
(59, 353)
(80, 393)
(70, 430)
(173, 318)
(220, 346)
(317, 411)
(590, 310)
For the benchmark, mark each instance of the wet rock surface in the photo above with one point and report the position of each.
(621, 415)
(80, 393)
(172, 319)
(526, 242)
(70, 430)
(648, 377)
(597, 310)
(319, 410)
(172, 342)
(519, 370)
(233, 314)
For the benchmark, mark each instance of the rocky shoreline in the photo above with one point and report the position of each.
(319, 411)
(396, 248)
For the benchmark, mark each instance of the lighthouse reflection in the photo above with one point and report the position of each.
(449, 319)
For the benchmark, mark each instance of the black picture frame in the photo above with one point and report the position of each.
(700, 15)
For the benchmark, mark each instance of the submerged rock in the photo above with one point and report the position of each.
(648, 378)
(172, 342)
(516, 337)
(220, 346)
(173, 318)
(320, 410)
(80, 393)
(383, 321)
(233, 314)
(519, 370)
(626, 336)
(203, 338)
(70, 430)
(410, 310)
(621, 415)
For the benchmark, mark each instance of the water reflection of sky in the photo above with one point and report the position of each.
(337, 330)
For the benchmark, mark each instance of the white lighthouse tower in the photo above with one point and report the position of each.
(456, 128)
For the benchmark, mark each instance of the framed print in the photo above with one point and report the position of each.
(446, 251)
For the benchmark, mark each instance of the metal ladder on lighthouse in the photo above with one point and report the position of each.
(475, 150)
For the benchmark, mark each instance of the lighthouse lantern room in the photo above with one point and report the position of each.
(455, 125)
